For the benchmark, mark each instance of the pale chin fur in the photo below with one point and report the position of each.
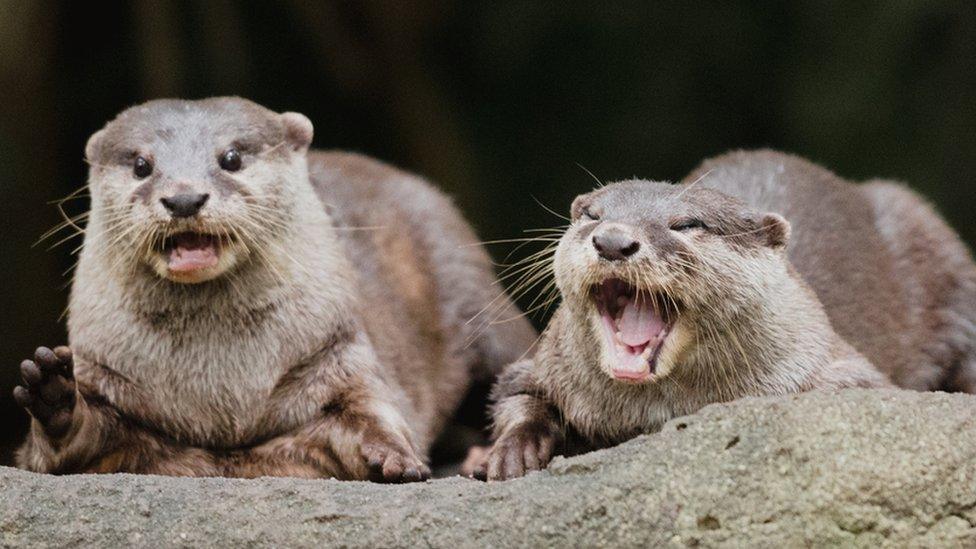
(229, 258)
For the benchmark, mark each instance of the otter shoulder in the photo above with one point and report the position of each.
(351, 169)
(754, 161)
(759, 169)
(357, 189)
(326, 167)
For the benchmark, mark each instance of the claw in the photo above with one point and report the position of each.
(46, 359)
(480, 473)
(391, 464)
(30, 373)
(22, 396)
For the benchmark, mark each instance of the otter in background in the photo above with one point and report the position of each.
(678, 296)
(244, 307)
(896, 281)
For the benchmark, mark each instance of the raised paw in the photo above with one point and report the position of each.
(48, 392)
(390, 463)
(515, 453)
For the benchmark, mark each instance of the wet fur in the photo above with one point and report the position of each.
(337, 339)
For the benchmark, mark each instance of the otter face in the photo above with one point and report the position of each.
(649, 264)
(193, 188)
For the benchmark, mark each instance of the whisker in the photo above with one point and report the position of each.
(733, 235)
(693, 183)
(508, 241)
(550, 210)
(600, 184)
(362, 228)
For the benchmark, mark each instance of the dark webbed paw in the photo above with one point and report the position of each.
(48, 392)
(389, 463)
(515, 453)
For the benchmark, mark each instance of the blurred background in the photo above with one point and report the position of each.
(497, 102)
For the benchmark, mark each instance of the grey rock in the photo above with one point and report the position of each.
(853, 468)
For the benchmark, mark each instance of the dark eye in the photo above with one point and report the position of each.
(142, 168)
(230, 160)
(588, 214)
(688, 224)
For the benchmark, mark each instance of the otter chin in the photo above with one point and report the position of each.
(191, 257)
(634, 325)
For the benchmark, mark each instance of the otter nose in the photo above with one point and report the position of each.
(184, 205)
(615, 245)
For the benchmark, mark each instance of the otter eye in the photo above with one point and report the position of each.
(230, 160)
(588, 214)
(688, 224)
(142, 168)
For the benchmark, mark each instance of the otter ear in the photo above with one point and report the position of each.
(775, 229)
(298, 130)
(92, 148)
(580, 202)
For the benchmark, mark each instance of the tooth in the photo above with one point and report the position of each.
(646, 355)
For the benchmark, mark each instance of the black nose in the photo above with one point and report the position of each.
(184, 205)
(615, 245)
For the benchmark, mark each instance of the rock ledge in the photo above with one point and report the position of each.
(862, 468)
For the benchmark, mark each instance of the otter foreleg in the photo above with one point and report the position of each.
(526, 429)
(74, 431)
(357, 435)
(65, 432)
(359, 429)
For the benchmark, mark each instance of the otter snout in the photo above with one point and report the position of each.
(184, 205)
(613, 243)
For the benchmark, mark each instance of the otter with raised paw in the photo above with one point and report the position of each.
(677, 296)
(244, 307)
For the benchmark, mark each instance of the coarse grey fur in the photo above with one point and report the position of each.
(894, 278)
(331, 340)
(746, 324)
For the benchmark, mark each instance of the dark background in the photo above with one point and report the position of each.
(496, 102)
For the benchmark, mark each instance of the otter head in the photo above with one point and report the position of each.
(192, 188)
(650, 264)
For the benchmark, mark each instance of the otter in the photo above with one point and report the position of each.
(897, 282)
(672, 298)
(246, 307)
(677, 296)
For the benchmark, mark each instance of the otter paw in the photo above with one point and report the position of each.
(515, 453)
(49, 391)
(390, 463)
(477, 455)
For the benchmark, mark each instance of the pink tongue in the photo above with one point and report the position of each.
(192, 253)
(639, 323)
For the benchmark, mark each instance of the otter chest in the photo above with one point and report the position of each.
(205, 383)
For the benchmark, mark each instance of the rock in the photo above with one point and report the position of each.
(854, 468)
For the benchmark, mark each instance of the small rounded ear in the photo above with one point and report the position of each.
(298, 130)
(92, 148)
(576, 210)
(776, 230)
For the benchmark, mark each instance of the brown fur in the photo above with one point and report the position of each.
(334, 342)
(749, 323)
(895, 280)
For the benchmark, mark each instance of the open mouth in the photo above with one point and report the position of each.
(635, 325)
(190, 252)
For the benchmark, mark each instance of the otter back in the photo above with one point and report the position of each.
(895, 280)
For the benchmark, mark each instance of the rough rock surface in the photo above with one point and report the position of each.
(855, 468)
